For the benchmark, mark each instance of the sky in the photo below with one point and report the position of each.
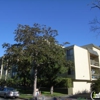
(69, 17)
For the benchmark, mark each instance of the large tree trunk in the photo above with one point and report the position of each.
(51, 90)
(35, 83)
(1, 69)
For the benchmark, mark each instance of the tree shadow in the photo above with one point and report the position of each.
(84, 94)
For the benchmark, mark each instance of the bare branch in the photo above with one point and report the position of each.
(96, 4)
(95, 28)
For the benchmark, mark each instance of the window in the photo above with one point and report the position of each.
(70, 54)
(69, 71)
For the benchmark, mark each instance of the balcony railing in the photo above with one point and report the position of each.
(95, 76)
(93, 62)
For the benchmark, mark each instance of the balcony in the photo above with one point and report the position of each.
(95, 76)
(95, 63)
(95, 73)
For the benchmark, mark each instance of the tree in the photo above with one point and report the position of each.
(96, 4)
(36, 49)
(95, 23)
(55, 67)
(96, 86)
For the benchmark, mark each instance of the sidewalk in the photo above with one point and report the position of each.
(60, 98)
(66, 97)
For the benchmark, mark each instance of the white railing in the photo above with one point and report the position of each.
(95, 76)
(93, 62)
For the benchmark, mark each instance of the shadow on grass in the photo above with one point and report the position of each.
(81, 95)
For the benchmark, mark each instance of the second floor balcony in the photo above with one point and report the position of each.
(95, 73)
(95, 63)
(95, 76)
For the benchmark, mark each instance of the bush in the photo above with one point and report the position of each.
(96, 86)
(59, 83)
(65, 82)
(2, 82)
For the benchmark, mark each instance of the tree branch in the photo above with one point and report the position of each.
(96, 4)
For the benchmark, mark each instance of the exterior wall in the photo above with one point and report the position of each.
(81, 87)
(82, 69)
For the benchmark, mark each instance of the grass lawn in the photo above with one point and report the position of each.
(45, 93)
(26, 96)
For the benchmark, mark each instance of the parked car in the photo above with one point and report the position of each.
(9, 92)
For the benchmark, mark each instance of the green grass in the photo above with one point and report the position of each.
(45, 93)
(26, 96)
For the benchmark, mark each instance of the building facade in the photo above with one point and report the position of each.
(86, 67)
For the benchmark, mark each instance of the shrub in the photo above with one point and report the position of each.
(96, 86)
(64, 82)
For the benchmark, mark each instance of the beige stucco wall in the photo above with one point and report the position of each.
(82, 69)
(80, 87)
(81, 60)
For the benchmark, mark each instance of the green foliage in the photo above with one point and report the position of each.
(69, 82)
(64, 82)
(96, 86)
(2, 82)
(8, 82)
(81, 98)
(36, 49)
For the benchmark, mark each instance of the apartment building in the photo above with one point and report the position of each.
(86, 66)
